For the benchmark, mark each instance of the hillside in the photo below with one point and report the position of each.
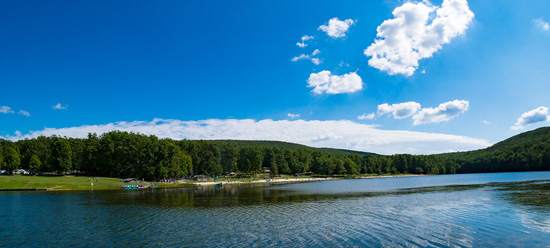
(528, 151)
(282, 144)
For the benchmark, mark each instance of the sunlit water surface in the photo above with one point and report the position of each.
(471, 210)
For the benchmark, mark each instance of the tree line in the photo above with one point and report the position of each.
(123, 154)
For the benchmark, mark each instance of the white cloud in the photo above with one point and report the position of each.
(444, 112)
(307, 37)
(25, 113)
(337, 134)
(537, 115)
(417, 31)
(485, 122)
(539, 23)
(336, 28)
(302, 56)
(304, 39)
(342, 64)
(325, 82)
(326, 137)
(314, 60)
(293, 115)
(60, 106)
(399, 110)
(6, 110)
(366, 116)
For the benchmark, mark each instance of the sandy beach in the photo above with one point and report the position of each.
(292, 180)
(408, 175)
(289, 180)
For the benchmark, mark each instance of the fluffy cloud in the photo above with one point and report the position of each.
(25, 113)
(307, 37)
(366, 116)
(399, 110)
(60, 106)
(325, 82)
(293, 115)
(417, 31)
(6, 110)
(444, 112)
(539, 23)
(336, 28)
(304, 39)
(314, 60)
(301, 44)
(337, 134)
(539, 114)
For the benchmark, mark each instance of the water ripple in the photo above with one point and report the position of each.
(441, 216)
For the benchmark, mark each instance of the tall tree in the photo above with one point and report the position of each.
(61, 155)
(35, 164)
(250, 160)
(12, 159)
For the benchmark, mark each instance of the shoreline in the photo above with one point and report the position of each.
(408, 175)
(289, 180)
(113, 185)
(297, 180)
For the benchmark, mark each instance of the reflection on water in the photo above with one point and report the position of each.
(533, 203)
(533, 194)
(467, 211)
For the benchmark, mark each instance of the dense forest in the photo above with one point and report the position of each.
(123, 154)
(529, 151)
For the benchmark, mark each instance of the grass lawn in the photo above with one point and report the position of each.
(70, 183)
(57, 182)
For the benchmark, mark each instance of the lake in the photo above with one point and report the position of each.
(469, 210)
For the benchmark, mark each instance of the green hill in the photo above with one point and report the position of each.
(528, 151)
(282, 144)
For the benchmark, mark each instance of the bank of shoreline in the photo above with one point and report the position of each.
(299, 180)
(69, 183)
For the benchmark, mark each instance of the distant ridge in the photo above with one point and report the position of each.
(528, 151)
(282, 144)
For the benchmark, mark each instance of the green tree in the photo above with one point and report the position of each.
(181, 163)
(351, 167)
(282, 164)
(273, 168)
(35, 164)
(61, 155)
(229, 154)
(12, 159)
(340, 169)
(250, 160)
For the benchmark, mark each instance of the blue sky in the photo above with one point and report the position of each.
(470, 76)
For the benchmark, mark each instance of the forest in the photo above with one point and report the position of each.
(123, 154)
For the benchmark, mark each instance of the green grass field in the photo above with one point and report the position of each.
(57, 182)
(66, 182)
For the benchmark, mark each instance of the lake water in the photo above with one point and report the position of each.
(470, 210)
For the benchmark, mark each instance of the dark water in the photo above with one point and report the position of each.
(474, 210)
